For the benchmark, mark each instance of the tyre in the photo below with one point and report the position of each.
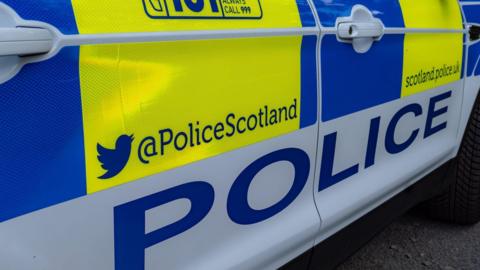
(460, 203)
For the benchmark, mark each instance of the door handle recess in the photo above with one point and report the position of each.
(360, 30)
(24, 41)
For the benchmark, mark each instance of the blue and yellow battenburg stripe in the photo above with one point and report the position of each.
(160, 91)
(55, 113)
(400, 65)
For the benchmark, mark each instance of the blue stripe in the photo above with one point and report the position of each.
(352, 82)
(42, 160)
(389, 11)
(472, 14)
(306, 14)
(58, 13)
(309, 104)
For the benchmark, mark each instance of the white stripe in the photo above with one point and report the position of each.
(469, 3)
(399, 30)
(91, 39)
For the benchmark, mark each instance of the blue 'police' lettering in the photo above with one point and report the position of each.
(131, 239)
(327, 178)
(432, 113)
(372, 142)
(238, 208)
(129, 222)
(393, 147)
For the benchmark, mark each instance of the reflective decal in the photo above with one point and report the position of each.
(472, 13)
(184, 101)
(58, 13)
(431, 60)
(398, 65)
(112, 16)
(42, 159)
(386, 10)
(98, 116)
(432, 123)
(131, 239)
(212, 9)
(352, 82)
(152, 107)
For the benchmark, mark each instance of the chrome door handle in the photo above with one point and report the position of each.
(25, 41)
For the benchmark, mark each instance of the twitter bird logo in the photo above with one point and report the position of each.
(114, 160)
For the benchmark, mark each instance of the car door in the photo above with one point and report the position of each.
(391, 91)
(157, 134)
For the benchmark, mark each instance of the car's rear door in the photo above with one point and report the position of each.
(389, 112)
(186, 141)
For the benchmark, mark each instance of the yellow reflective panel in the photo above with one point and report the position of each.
(431, 14)
(431, 60)
(184, 101)
(113, 16)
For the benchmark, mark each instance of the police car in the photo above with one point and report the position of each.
(230, 134)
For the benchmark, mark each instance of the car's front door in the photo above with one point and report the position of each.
(391, 93)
